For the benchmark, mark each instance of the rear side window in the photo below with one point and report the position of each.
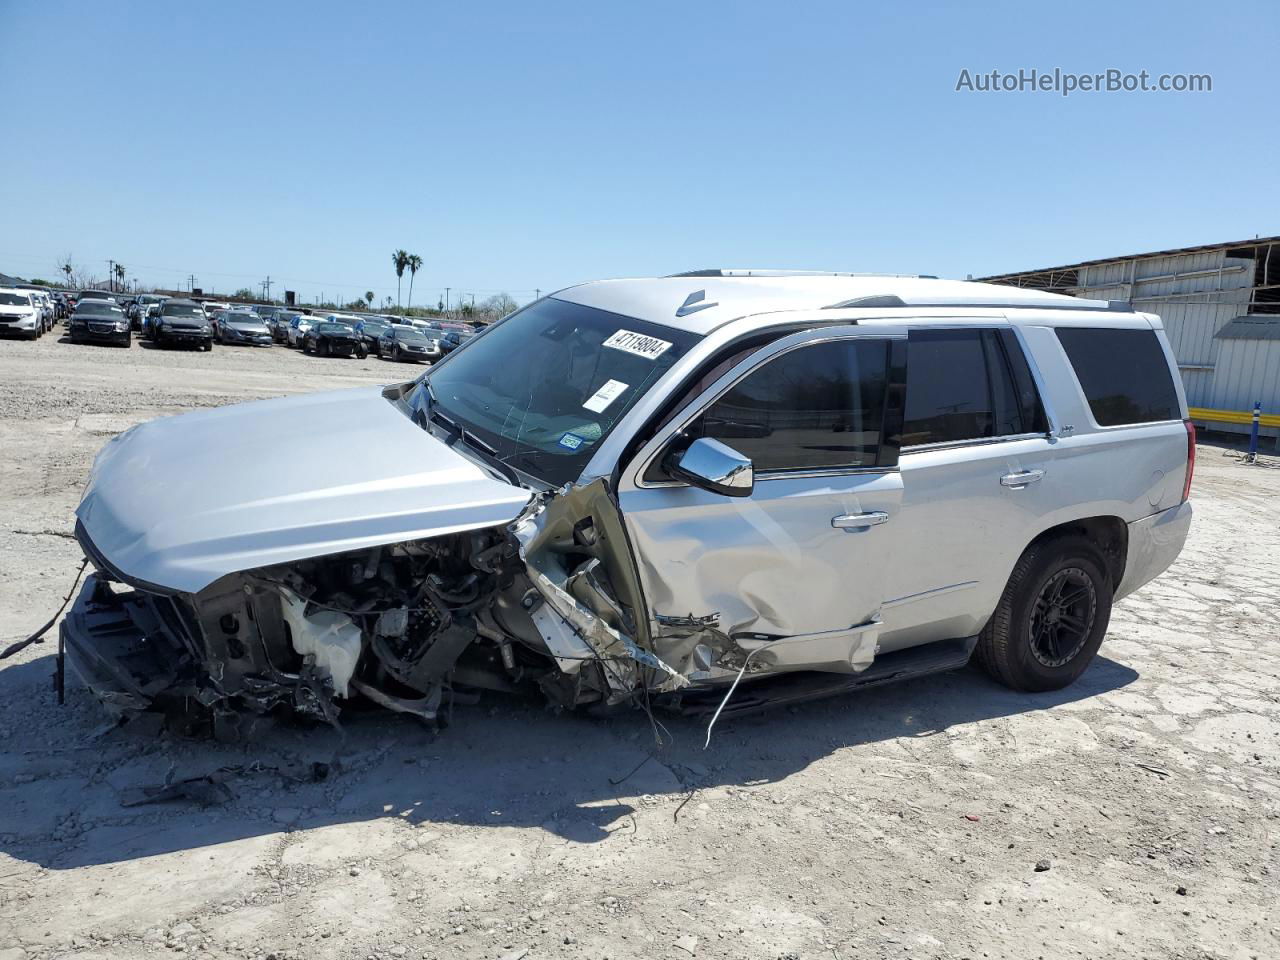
(819, 407)
(1124, 374)
(968, 384)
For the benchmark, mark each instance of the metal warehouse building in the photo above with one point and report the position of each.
(1221, 308)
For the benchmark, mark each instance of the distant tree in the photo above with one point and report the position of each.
(67, 269)
(244, 293)
(119, 271)
(497, 306)
(414, 263)
(400, 259)
(368, 298)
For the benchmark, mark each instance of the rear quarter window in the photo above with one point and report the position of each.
(1124, 374)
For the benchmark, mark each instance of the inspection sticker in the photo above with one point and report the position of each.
(651, 348)
(570, 441)
(610, 392)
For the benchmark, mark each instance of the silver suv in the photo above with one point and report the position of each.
(713, 491)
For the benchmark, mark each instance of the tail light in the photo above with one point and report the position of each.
(1191, 459)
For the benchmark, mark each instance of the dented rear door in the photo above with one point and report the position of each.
(795, 572)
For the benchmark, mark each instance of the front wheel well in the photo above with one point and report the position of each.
(1109, 534)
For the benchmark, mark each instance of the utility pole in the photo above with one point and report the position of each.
(191, 282)
(537, 293)
(111, 275)
(446, 300)
(266, 285)
(473, 301)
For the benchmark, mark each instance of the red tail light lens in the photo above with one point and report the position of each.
(1191, 459)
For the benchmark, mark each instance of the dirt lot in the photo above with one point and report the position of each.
(902, 822)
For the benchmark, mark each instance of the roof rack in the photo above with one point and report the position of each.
(749, 272)
(893, 300)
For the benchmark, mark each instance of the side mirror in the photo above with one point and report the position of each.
(714, 466)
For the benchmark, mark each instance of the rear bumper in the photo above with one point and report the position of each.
(1154, 543)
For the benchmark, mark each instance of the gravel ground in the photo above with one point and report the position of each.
(1133, 815)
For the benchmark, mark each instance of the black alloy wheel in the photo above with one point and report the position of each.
(1062, 617)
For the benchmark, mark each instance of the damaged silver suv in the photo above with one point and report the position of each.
(650, 491)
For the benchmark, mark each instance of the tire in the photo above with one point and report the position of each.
(305, 348)
(395, 354)
(208, 345)
(1027, 645)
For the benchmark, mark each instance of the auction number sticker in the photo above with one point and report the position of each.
(571, 441)
(651, 348)
(601, 399)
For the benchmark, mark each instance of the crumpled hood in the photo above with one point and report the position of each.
(181, 501)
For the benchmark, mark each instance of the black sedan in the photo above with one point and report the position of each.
(329, 339)
(181, 322)
(409, 343)
(99, 321)
(370, 330)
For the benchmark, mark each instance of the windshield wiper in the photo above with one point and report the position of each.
(461, 433)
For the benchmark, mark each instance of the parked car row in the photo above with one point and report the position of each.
(101, 316)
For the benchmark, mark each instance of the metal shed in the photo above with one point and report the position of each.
(1221, 308)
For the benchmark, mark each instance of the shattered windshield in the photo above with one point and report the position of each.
(546, 385)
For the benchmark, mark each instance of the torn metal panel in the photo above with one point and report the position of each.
(567, 554)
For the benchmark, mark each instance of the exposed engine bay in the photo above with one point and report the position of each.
(412, 627)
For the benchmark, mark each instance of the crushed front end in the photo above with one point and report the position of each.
(411, 627)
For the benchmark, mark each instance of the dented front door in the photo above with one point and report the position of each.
(794, 573)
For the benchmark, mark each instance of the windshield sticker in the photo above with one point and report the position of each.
(571, 441)
(600, 400)
(651, 348)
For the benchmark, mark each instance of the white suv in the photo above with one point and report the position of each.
(652, 490)
(20, 313)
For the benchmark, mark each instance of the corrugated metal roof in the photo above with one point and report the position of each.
(1251, 242)
(1251, 327)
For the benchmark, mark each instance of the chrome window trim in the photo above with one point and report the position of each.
(765, 354)
(975, 442)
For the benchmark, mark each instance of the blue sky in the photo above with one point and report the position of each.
(522, 146)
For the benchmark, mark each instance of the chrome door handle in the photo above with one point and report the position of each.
(859, 521)
(1022, 478)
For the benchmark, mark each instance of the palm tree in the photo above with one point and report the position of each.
(368, 298)
(120, 273)
(414, 263)
(401, 260)
(67, 269)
